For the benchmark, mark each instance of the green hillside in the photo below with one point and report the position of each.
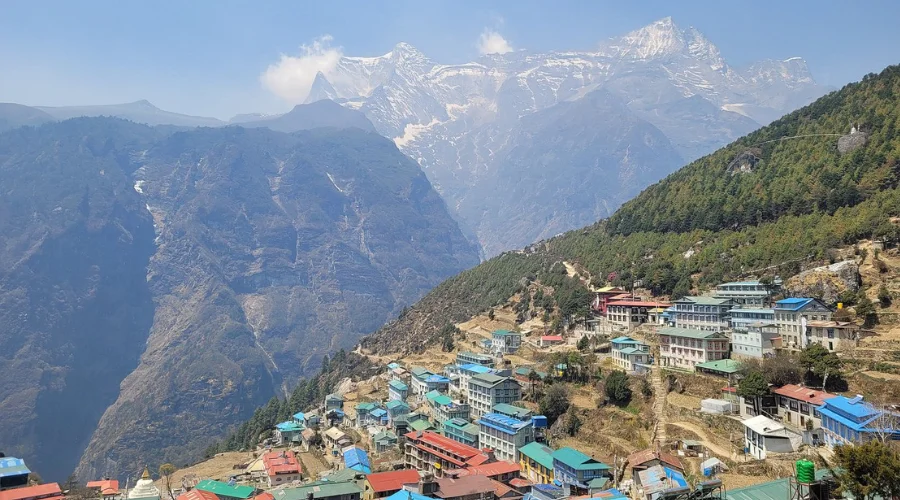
(796, 197)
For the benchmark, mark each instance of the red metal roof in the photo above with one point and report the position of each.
(281, 462)
(730, 389)
(469, 485)
(49, 490)
(382, 482)
(196, 494)
(637, 303)
(557, 338)
(500, 489)
(442, 443)
(519, 482)
(264, 496)
(106, 486)
(805, 394)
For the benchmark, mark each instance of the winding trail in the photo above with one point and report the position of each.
(707, 440)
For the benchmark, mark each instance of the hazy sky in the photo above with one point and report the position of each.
(207, 57)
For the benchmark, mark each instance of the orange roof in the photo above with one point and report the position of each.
(281, 462)
(804, 394)
(642, 457)
(520, 482)
(552, 337)
(382, 482)
(196, 494)
(730, 389)
(264, 496)
(49, 490)
(106, 486)
(494, 469)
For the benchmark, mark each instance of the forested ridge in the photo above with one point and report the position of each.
(712, 221)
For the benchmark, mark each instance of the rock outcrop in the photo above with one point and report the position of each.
(826, 283)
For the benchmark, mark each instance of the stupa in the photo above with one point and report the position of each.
(144, 489)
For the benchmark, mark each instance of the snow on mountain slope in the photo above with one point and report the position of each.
(456, 120)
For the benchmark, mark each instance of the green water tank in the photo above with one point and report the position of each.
(806, 471)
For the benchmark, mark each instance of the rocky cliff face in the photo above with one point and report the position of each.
(217, 267)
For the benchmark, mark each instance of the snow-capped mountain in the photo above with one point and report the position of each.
(458, 120)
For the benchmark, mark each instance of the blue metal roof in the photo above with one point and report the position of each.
(624, 340)
(355, 458)
(854, 407)
(378, 413)
(793, 303)
(475, 368)
(502, 423)
(393, 365)
(299, 416)
(438, 379)
(11, 466)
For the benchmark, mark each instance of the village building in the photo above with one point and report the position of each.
(524, 375)
(502, 471)
(721, 367)
(48, 491)
(334, 402)
(335, 439)
(536, 463)
(13, 473)
(106, 488)
(630, 355)
(466, 372)
(762, 436)
(703, 313)
(852, 420)
(384, 441)
(684, 348)
(505, 341)
(578, 472)
(466, 357)
(417, 378)
(364, 414)
(443, 408)
(462, 431)
(516, 412)
(196, 494)
(396, 408)
(398, 390)
(551, 340)
(486, 390)
(643, 460)
(798, 407)
(466, 488)
(603, 297)
(504, 435)
(433, 453)
(792, 316)
(357, 459)
(385, 484)
(281, 467)
(287, 433)
(320, 490)
(741, 319)
(749, 294)
(836, 336)
(653, 481)
(633, 313)
(756, 340)
(223, 491)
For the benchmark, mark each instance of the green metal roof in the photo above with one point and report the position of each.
(396, 403)
(504, 333)
(578, 460)
(597, 483)
(512, 410)
(722, 365)
(420, 425)
(419, 371)
(689, 333)
(432, 395)
(384, 435)
(539, 453)
(778, 489)
(219, 488)
(462, 426)
(319, 489)
(487, 379)
(442, 400)
(365, 407)
(398, 385)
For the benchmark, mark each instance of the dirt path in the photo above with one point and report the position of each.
(659, 405)
(705, 438)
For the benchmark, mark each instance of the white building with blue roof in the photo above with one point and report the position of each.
(466, 372)
(852, 421)
(630, 355)
(505, 435)
(742, 318)
(792, 315)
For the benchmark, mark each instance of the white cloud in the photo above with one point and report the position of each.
(292, 76)
(491, 42)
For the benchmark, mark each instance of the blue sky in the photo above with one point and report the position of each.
(206, 57)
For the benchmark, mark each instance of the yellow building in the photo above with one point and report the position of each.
(536, 462)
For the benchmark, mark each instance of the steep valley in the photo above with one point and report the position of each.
(166, 283)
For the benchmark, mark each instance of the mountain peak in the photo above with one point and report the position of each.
(143, 103)
(657, 39)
